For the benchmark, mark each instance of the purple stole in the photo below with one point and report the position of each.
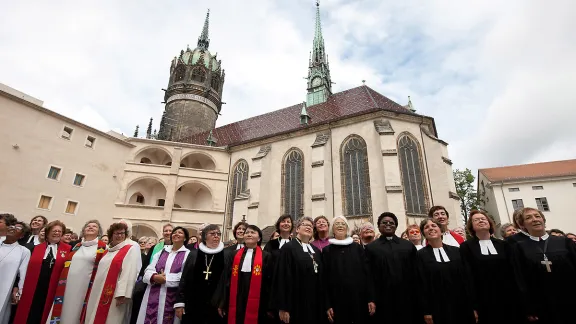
(171, 292)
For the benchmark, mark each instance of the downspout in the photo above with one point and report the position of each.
(505, 204)
(226, 200)
(426, 162)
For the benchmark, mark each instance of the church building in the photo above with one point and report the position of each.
(354, 153)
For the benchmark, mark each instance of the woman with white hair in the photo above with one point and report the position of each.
(347, 278)
(297, 291)
(78, 274)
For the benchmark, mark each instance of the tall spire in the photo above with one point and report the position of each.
(203, 40)
(318, 51)
(319, 80)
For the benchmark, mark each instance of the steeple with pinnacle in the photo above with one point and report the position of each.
(194, 95)
(319, 81)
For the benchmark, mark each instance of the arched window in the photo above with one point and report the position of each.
(355, 177)
(145, 160)
(411, 169)
(239, 184)
(293, 184)
(215, 84)
(180, 73)
(199, 75)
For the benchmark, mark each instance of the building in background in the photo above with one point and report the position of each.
(354, 153)
(548, 186)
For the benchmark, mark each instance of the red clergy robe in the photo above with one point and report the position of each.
(31, 280)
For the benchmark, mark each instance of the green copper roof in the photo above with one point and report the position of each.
(319, 80)
(203, 40)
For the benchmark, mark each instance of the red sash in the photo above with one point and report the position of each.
(32, 274)
(61, 289)
(253, 303)
(107, 295)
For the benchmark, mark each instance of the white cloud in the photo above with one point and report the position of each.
(496, 76)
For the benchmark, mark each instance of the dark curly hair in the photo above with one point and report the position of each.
(114, 227)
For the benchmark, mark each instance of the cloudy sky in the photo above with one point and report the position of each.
(499, 77)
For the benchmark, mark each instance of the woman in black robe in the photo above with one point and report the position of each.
(489, 262)
(446, 297)
(297, 289)
(284, 226)
(545, 271)
(252, 240)
(348, 286)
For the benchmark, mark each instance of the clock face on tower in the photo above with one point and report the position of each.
(316, 81)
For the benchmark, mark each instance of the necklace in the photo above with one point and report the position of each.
(311, 256)
(547, 263)
(7, 254)
(208, 272)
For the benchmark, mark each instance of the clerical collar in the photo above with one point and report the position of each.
(90, 243)
(306, 247)
(247, 264)
(283, 241)
(440, 255)
(118, 246)
(239, 246)
(537, 239)
(487, 247)
(208, 250)
(346, 241)
(168, 248)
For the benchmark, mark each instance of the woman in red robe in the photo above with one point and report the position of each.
(44, 268)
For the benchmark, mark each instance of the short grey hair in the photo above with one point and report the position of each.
(302, 219)
(503, 229)
(92, 221)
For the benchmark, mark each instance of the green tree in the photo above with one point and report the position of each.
(136, 131)
(469, 199)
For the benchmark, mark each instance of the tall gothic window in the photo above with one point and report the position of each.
(293, 184)
(239, 184)
(198, 74)
(413, 182)
(179, 74)
(355, 177)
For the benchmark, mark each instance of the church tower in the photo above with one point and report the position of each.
(319, 81)
(194, 94)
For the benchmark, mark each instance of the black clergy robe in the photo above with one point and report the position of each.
(296, 288)
(222, 295)
(393, 266)
(348, 283)
(489, 272)
(548, 295)
(196, 292)
(444, 290)
(518, 237)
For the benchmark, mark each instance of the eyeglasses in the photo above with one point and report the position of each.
(390, 223)
(214, 234)
(307, 225)
(414, 231)
(119, 233)
(478, 220)
(15, 227)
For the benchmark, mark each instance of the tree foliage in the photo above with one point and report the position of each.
(465, 189)
(136, 131)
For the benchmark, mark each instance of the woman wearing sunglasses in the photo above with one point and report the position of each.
(414, 235)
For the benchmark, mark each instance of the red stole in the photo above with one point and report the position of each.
(457, 237)
(253, 303)
(61, 289)
(31, 280)
(107, 295)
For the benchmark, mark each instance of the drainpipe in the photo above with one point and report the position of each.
(426, 163)
(226, 200)
(332, 170)
(505, 204)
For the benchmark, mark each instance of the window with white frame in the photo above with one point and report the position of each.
(45, 202)
(517, 203)
(54, 173)
(67, 132)
(79, 180)
(513, 189)
(542, 204)
(90, 141)
(71, 207)
(537, 187)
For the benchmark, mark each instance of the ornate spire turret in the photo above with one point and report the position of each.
(319, 81)
(304, 117)
(203, 40)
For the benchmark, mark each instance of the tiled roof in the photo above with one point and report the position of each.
(531, 171)
(356, 101)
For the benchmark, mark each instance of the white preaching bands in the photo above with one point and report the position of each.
(247, 264)
(34, 238)
(307, 248)
(438, 251)
(487, 247)
(54, 249)
(283, 241)
(239, 246)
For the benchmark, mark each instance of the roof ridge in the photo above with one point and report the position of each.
(527, 164)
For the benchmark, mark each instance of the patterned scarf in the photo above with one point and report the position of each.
(171, 292)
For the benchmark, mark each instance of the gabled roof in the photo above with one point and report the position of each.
(531, 171)
(356, 101)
